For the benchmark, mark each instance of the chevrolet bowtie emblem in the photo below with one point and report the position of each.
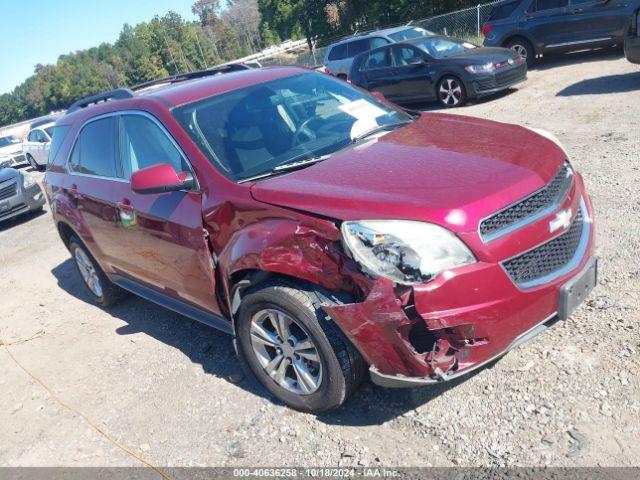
(562, 220)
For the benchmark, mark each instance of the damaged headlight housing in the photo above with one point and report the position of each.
(406, 252)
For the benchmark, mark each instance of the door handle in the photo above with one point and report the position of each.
(577, 10)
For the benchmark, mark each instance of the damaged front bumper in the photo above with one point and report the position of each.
(408, 340)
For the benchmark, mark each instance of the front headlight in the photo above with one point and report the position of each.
(29, 181)
(486, 68)
(406, 252)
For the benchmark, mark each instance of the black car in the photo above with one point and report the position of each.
(535, 27)
(632, 42)
(437, 68)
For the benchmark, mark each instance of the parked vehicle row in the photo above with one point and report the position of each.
(330, 233)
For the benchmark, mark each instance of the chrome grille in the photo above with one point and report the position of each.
(529, 208)
(8, 191)
(549, 258)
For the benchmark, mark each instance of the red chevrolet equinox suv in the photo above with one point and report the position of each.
(331, 233)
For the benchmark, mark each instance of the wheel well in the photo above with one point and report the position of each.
(66, 232)
(341, 76)
(521, 38)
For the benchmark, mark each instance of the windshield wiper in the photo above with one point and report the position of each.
(299, 164)
(380, 128)
(287, 167)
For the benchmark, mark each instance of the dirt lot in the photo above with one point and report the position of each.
(169, 388)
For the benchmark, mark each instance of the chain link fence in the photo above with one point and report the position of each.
(465, 24)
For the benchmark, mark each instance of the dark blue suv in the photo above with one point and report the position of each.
(535, 27)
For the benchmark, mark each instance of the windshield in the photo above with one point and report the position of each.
(410, 33)
(443, 47)
(10, 140)
(251, 131)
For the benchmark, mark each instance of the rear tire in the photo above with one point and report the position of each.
(103, 291)
(315, 368)
(524, 49)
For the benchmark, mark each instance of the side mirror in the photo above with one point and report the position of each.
(160, 178)
(43, 140)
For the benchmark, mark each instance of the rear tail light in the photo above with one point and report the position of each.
(486, 29)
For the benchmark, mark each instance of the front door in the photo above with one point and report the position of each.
(164, 244)
(411, 69)
(546, 21)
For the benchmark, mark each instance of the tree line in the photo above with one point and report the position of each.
(170, 44)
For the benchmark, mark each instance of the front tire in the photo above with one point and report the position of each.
(32, 162)
(451, 92)
(294, 350)
(104, 292)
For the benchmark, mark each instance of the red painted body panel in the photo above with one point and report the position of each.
(448, 170)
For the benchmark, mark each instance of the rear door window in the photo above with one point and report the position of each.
(359, 46)
(338, 52)
(378, 42)
(377, 59)
(95, 151)
(543, 5)
(404, 56)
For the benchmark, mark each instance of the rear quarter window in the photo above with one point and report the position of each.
(58, 136)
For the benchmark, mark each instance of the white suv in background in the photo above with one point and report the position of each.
(36, 146)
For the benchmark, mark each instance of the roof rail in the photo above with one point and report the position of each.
(117, 94)
(183, 77)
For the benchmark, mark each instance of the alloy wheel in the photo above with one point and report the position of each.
(520, 50)
(450, 92)
(32, 162)
(286, 351)
(88, 272)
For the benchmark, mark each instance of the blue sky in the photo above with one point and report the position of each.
(39, 31)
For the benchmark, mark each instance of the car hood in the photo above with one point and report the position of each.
(447, 169)
(483, 55)
(7, 174)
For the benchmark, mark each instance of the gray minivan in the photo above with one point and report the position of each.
(340, 55)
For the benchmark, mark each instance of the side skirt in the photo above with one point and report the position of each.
(183, 308)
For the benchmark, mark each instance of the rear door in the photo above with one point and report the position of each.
(377, 72)
(164, 242)
(411, 70)
(598, 21)
(93, 174)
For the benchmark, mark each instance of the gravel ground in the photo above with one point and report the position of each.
(170, 390)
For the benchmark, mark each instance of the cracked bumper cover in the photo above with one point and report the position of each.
(488, 320)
